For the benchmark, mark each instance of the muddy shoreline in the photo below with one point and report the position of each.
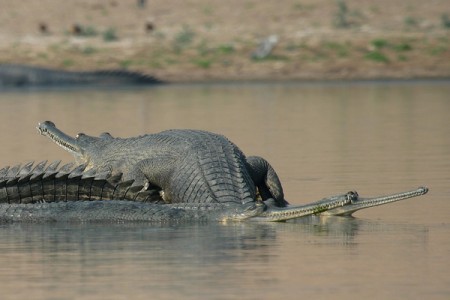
(210, 41)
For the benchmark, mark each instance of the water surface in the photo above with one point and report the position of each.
(322, 139)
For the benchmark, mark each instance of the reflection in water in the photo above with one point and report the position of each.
(167, 261)
(154, 260)
(341, 230)
(323, 139)
(344, 230)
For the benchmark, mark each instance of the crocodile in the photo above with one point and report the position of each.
(14, 75)
(171, 176)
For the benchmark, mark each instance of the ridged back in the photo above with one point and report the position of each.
(48, 183)
(213, 171)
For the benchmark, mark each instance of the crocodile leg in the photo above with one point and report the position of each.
(266, 180)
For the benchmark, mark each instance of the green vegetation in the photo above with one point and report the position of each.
(271, 57)
(380, 43)
(203, 63)
(183, 39)
(341, 17)
(341, 49)
(402, 47)
(225, 49)
(381, 46)
(83, 31)
(445, 19)
(88, 31)
(110, 35)
(202, 48)
(377, 56)
(68, 62)
(411, 21)
(344, 17)
(402, 57)
(88, 50)
(124, 64)
(438, 50)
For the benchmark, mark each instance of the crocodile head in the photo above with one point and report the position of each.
(83, 147)
(358, 202)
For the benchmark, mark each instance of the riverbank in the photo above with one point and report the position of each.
(214, 40)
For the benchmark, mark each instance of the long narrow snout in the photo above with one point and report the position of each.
(68, 143)
(360, 203)
(276, 214)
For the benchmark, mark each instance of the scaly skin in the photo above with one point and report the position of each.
(361, 203)
(139, 179)
(187, 165)
(47, 194)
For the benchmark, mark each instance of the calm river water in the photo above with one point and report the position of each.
(322, 139)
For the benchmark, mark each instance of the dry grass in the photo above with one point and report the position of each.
(195, 40)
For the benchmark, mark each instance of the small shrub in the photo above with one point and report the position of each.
(377, 56)
(184, 38)
(445, 21)
(437, 50)
(203, 48)
(402, 47)
(88, 50)
(82, 31)
(110, 35)
(124, 64)
(68, 63)
(271, 57)
(226, 49)
(203, 63)
(380, 43)
(88, 31)
(340, 49)
(341, 18)
(402, 57)
(410, 21)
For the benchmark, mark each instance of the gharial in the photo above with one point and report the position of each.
(171, 176)
(13, 75)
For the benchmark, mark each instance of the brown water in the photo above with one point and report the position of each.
(322, 139)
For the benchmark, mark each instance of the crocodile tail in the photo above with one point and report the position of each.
(39, 183)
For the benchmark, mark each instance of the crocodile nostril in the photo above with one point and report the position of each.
(46, 124)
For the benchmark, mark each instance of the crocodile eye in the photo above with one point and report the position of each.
(352, 196)
(80, 135)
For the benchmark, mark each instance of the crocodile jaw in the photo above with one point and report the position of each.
(68, 143)
(360, 203)
(273, 213)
